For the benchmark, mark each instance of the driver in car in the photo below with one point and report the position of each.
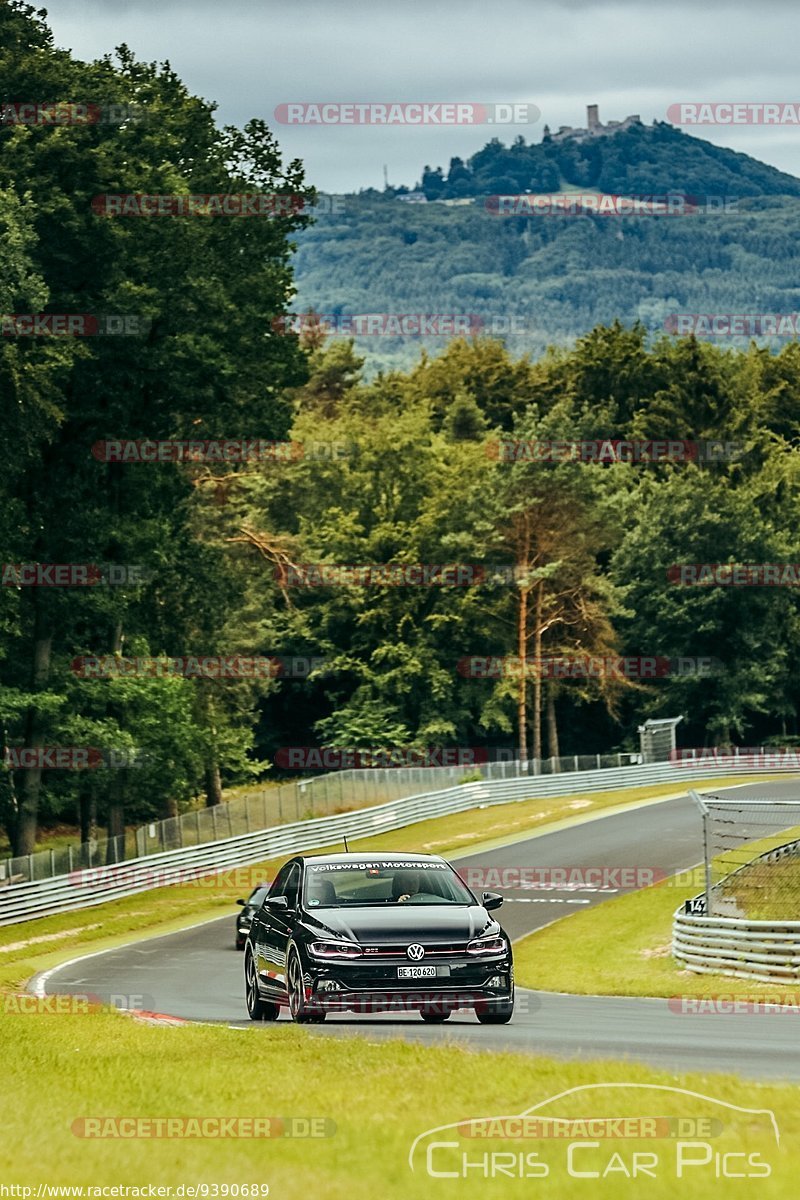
(406, 885)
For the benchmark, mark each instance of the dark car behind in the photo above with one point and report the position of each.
(244, 919)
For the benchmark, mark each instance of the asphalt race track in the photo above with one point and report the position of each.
(197, 974)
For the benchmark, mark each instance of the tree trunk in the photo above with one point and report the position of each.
(28, 817)
(213, 782)
(9, 807)
(537, 674)
(115, 849)
(552, 724)
(88, 815)
(522, 697)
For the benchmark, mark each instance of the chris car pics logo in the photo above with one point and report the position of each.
(605, 1131)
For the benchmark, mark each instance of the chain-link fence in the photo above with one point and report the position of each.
(266, 807)
(751, 852)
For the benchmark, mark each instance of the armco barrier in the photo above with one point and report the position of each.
(767, 951)
(22, 901)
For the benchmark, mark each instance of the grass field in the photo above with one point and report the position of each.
(59, 1070)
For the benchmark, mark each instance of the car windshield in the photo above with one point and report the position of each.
(336, 885)
(256, 898)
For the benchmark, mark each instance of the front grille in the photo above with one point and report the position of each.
(432, 949)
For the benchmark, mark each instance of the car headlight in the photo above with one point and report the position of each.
(487, 947)
(335, 950)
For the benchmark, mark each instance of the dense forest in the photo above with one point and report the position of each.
(569, 557)
(638, 160)
(543, 280)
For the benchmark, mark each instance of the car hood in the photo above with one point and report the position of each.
(404, 923)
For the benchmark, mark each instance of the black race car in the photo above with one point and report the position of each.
(376, 932)
(249, 906)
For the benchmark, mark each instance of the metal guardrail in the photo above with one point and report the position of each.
(83, 889)
(297, 800)
(767, 951)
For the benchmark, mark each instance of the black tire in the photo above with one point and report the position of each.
(435, 1015)
(495, 1012)
(257, 1009)
(240, 943)
(301, 1011)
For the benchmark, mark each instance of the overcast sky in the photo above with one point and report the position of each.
(625, 55)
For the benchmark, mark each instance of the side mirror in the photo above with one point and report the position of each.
(491, 900)
(240, 901)
(277, 902)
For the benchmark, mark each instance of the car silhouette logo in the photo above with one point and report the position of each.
(415, 952)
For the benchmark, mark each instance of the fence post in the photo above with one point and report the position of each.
(52, 864)
(70, 860)
(30, 866)
(214, 820)
(247, 813)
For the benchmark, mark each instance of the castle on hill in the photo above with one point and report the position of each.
(595, 127)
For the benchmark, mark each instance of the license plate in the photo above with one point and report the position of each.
(421, 972)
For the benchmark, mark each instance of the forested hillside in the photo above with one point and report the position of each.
(548, 277)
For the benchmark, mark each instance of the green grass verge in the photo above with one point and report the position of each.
(763, 891)
(59, 1069)
(623, 947)
(35, 945)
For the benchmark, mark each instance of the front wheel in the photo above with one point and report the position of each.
(435, 1015)
(495, 1012)
(302, 1012)
(258, 1009)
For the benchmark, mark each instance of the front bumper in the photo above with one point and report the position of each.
(350, 987)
